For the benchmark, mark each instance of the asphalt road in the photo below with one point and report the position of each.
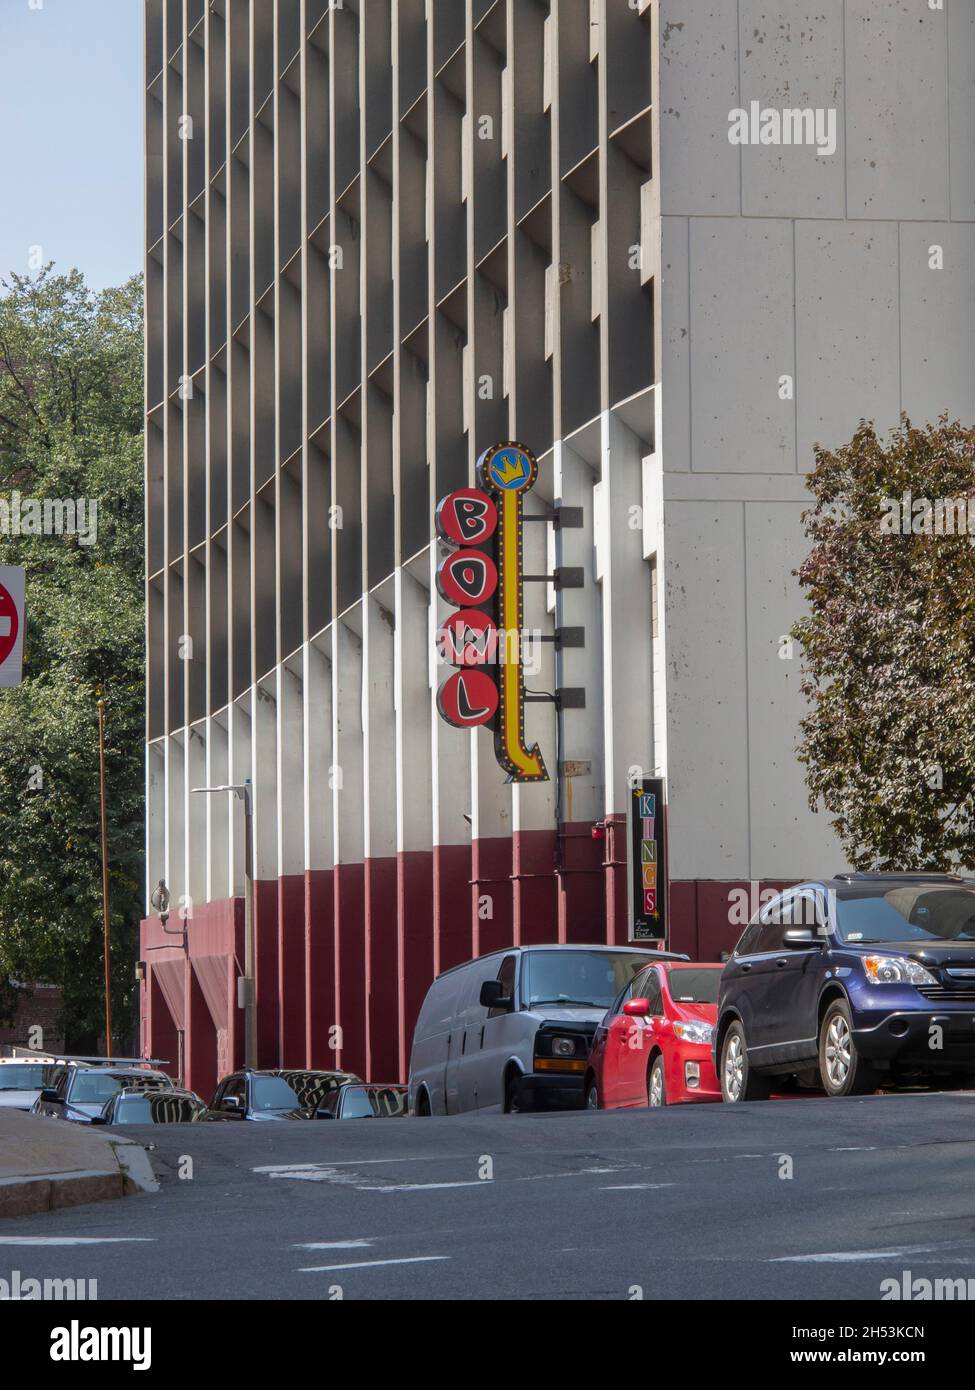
(688, 1202)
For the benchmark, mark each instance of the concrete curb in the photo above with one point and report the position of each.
(135, 1166)
(55, 1191)
(50, 1165)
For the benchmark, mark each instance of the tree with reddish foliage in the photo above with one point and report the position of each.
(889, 646)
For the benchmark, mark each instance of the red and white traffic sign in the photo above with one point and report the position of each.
(11, 625)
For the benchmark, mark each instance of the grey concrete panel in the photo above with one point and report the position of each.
(742, 343)
(792, 58)
(897, 109)
(961, 108)
(675, 327)
(786, 841)
(699, 168)
(707, 710)
(938, 321)
(846, 331)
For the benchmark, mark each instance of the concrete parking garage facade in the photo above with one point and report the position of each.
(384, 235)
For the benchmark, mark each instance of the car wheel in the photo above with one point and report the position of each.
(657, 1085)
(512, 1100)
(738, 1081)
(842, 1070)
(592, 1097)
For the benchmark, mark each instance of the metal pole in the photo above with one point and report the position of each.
(108, 987)
(250, 951)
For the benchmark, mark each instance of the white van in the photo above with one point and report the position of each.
(513, 1030)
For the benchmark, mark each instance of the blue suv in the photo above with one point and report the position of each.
(848, 981)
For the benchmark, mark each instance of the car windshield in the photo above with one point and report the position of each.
(31, 1076)
(910, 912)
(89, 1087)
(161, 1109)
(373, 1102)
(272, 1093)
(698, 986)
(579, 977)
(311, 1087)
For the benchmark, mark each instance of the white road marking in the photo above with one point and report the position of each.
(336, 1244)
(423, 1186)
(373, 1264)
(315, 1172)
(852, 1256)
(76, 1240)
(360, 1162)
(636, 1186)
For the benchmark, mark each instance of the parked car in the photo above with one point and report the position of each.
(654, 1045)
(80, 1093)
(250, 1094)
(513, 1030)
(21, 1082)
(365, 1100)
(138, 1106)
(852, 980)
(313, 1088)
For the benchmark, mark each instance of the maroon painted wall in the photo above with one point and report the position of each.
(344, 956)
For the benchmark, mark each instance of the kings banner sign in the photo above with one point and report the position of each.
(647, 860)
(482, 576)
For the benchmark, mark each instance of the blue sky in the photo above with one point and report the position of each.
(71, 107)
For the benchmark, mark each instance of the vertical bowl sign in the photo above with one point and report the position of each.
(467, 577)
(482, 576)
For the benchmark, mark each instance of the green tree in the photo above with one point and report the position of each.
(889, 647)
(71, 409)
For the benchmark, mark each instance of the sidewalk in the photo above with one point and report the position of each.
(48, 1164)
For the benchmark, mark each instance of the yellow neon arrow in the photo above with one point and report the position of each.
(509, 471)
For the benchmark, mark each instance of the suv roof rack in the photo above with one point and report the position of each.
(870, 877)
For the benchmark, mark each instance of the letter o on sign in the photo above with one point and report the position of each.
(467, 517)
(467, 578)
(467, 699)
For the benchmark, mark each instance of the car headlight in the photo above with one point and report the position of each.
(693, 1031)
(896, 970)
(563, 1047)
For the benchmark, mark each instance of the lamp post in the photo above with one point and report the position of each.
(108, 983)
(243, 791)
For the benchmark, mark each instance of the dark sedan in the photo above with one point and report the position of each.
(366, 1100)
(274, 1094)
(138, 1106)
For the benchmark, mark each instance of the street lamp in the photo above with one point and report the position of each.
(159, 901)
(245, 985)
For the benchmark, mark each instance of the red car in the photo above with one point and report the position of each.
(653, 1046)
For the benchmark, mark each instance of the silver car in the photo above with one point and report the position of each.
(80, 1093)
(513, 1030)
